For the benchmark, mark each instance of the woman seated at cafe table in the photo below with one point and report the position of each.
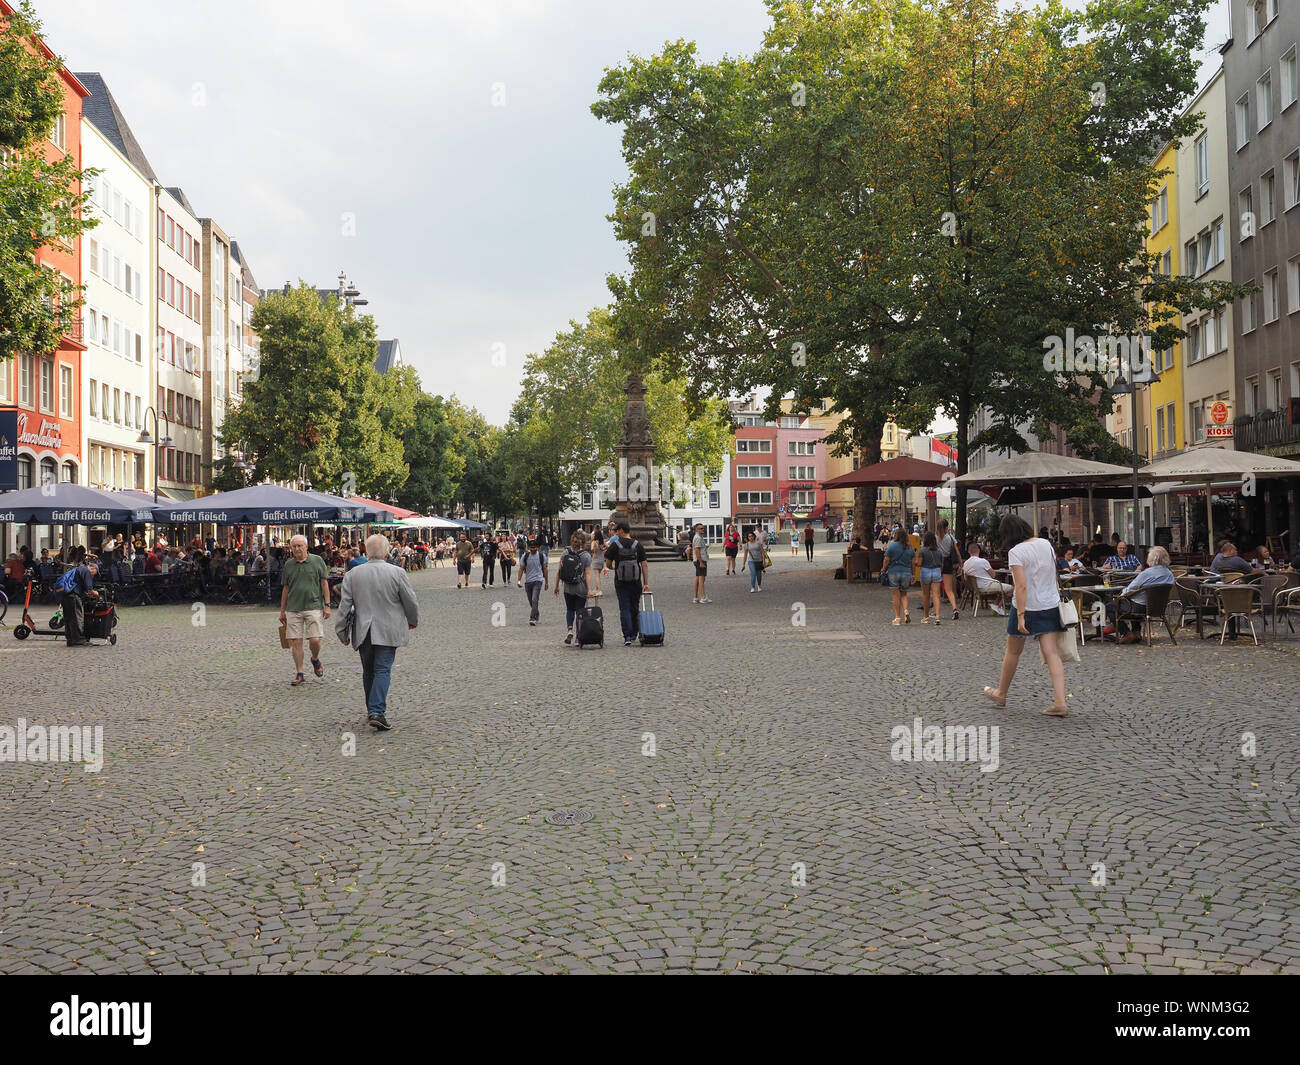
(1156, 572)
(1261, 559)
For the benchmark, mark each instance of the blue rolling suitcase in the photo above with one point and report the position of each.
(650, 623)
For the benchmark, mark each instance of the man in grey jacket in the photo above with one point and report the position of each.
(386, 611)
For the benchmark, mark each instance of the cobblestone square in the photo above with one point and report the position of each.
(747, 813)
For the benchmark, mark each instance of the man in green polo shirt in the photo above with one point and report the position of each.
(304, 602)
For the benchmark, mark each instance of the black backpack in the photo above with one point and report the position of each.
(571, 569)
(628, 568)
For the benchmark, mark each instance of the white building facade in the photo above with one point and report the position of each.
(118, 309)
(178, 351)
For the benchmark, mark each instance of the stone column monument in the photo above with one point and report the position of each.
(637, 495)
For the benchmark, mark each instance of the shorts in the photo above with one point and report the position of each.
(899, 578)
(701, 569)
(304, 625)
(464, 565)
(931, 575)
(1036, 621)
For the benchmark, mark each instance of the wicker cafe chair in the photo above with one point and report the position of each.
(1242, 601)
(1156, 608)
(1115, 577)
(1269, 586)
(1286, 603)
(1193, 601)
(983, 595)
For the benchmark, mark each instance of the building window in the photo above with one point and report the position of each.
(802, 447)
(1291, 180)
(1290, 85)
(1275, 390)
(1264, 99)
(49, 471)
(47, 386)
(1270, 296)
(59, 134)
(803, 499)
(1171, 428)
(1243, 121)
(26, 375)
(138, 419)
(1293, 287)
(753, 447)
(1202, 166)
(66, 394)
(103, 395)
(753, 499)
(6, 384)
(26, 467)
(801, 473)
(752, 472)
(94, 256)
(1246, 213)
(1191, 256)
(1248, 311)
(70, 472)
(94, 398)
(715, 497)
(1267, 199)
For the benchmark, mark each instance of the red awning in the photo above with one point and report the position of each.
(395, 511)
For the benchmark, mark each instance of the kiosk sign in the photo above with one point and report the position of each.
(1220, 426)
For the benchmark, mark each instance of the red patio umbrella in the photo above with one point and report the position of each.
(904, 471)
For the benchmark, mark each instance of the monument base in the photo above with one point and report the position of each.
(645, 520)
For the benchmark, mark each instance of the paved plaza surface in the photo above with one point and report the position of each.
(427, 849)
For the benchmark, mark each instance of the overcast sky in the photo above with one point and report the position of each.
(291, 122)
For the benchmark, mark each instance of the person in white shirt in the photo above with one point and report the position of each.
(978, 567)
(1035, 610)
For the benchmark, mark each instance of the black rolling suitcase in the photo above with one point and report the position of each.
(590, 625)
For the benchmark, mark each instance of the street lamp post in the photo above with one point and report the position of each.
(1129, 387)
(165, 441)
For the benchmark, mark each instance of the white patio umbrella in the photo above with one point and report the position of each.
(1041, 467)
(1210, 464)
(431, 522)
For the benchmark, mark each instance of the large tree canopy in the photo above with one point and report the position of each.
(894, 204)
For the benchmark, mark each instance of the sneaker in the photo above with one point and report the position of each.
(925, 620)
(998, 611)
(954, 615)
(627, 643)
(752, 591)
(531, 621)
(694, 600)
(380, 722)
(706, 600)
(568, 638)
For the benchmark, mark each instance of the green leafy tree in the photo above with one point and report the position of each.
(317, 399)
(893, 204)
(37, 201)
(436, 468)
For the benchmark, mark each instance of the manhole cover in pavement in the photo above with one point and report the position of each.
(569, 817)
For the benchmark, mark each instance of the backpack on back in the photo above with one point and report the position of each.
(627, 569)
(571, 567)
(68, 581)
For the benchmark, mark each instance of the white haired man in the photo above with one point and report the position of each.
(384, 611)
(304, 604)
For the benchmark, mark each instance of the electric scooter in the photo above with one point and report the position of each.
(28, 627)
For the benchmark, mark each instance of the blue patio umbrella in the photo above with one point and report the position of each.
(66, 503)
(260, 504)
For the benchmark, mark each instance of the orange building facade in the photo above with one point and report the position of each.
(44, 388)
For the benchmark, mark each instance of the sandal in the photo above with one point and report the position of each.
(298, 679)
(990, 696)
(907, 618)
(316, 665)
(896, 621)
(1057, 711)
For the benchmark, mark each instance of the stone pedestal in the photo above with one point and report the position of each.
(637, 497)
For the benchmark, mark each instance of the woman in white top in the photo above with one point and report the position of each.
(1034, 610)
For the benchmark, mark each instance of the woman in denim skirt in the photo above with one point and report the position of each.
(898, 571)
(1035, 610)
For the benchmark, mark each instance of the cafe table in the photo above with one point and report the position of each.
(1102, 591)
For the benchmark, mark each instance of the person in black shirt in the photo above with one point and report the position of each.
(488, 552)
(626, 557)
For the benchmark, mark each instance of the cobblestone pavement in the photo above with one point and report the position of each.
(427, 849)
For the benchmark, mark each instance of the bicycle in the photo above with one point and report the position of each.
(4, 605)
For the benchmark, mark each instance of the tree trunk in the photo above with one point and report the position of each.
(963, 464)
(864, 499)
